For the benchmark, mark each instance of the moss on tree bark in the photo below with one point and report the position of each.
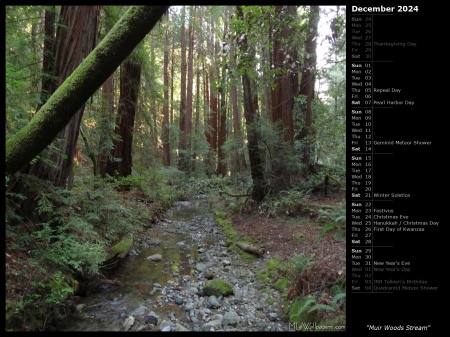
(28, 142)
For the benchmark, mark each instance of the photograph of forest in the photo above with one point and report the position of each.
(175, 168)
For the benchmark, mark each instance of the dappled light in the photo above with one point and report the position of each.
(175, 168)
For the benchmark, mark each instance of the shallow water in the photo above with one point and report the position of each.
(144, 281)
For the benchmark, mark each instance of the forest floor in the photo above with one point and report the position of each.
(283, 237)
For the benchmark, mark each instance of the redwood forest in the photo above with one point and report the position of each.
(175, 168)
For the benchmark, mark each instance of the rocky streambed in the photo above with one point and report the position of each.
(181, 277)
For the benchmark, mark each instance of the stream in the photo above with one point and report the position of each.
(162, 283)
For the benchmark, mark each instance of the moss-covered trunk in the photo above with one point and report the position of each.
(82, 84)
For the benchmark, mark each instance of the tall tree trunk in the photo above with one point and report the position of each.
(130, 74)
(154, 108)
(76, 38)
(206, 102)
(172, 73)
(48, 58)
(108, 109)
(250, 112)
(213, 104)
(107, 112)
(307, 87)
(222, 132)
(283, 95)
(29, 141)
(190, 84)
(183, 145)
(237, 133)
(165, 127)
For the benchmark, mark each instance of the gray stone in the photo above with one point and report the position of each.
(179, 327)
(156, 257)
(138, 311)
(209, 275)
(216, 324)
(193, 291)
(213, 303)
(231, 319)
(200, 266)
(178, 300)
(164, 326)
(216, 316)
(272, 316)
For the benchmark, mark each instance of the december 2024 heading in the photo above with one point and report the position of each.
(383, 9)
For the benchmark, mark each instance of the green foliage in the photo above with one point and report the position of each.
(310, 310)
(281, 284)
(287, 203)
(153, 185)
(23, 65)
(299, 237)
(157, 184)
(301, 310)
(299, 263)
(79, 228)
(69, 249)
(336, 220)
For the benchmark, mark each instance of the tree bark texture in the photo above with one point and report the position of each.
(48, 57)
(130, 74)
(307, 86)
(183, 145)
(165, 131)
(76, 37)
(189, 92)
(250, 112)
(283, 58)
(57, 112)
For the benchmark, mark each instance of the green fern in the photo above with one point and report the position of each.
(320, 306)
(331, 226)
(302, 309)
(339, 296)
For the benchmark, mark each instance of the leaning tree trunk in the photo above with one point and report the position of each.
(75, 39)
(54, 115)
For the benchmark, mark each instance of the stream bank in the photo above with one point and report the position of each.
(163, 283)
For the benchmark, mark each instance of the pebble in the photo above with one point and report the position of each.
(181, 299)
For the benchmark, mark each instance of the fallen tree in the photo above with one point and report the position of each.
(259, 251)
(54, 115)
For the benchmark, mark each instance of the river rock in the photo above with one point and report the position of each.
(129, 321)
(164, 326)
(230, 319)
(216, 324)
(80, 307)
(179, 327)
(151, 320)
(209, 275)
(156, 257)
(213, 303)
(200, 266)
(138, 311)
(217, 288)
